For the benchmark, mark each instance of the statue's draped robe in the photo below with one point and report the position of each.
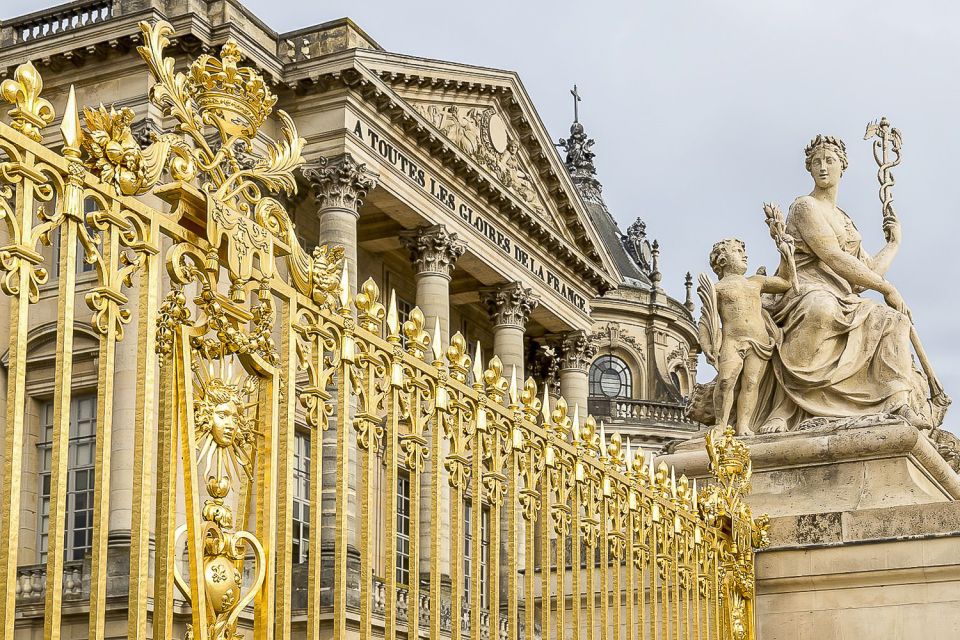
(842, 354)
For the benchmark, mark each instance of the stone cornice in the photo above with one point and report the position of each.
(340, 182)
(509, 304)
(433, 249)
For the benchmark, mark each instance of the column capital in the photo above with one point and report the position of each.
(574, 349)
(433, 249)
(340, 181)
(509, 304)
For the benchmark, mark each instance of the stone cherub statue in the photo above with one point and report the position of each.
(738, 337)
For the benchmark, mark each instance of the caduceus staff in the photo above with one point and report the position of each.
(886, 151)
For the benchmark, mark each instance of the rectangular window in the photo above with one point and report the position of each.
(403, 530)
(468, 564)
(301, 496)
(80, 477)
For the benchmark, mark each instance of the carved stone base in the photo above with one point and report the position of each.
(835, 466)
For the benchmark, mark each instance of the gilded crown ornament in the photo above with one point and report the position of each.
(234, 99)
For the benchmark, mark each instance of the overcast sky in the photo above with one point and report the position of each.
(701, 111)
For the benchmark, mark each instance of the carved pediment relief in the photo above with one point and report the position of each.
(482, 133)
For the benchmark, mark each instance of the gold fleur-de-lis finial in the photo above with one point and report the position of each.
(370, 311)
(31, 113)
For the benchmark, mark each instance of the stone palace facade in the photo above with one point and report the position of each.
(440, 182)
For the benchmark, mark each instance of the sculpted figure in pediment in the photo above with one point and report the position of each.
(480, 132)
(842, 355)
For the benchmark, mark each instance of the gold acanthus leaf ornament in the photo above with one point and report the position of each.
(115, 157)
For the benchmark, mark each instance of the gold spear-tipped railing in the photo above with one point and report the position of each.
(601, 542)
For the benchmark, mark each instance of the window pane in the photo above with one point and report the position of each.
(81, 476)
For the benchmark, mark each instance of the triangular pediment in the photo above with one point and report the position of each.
(486, 116)
(481, 131)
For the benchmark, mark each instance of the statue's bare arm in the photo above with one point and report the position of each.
(822, 241)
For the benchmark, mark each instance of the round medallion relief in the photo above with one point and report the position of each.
(498, 133)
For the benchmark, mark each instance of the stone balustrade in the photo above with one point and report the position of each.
(643, 411)
(32, 582)
(56, 20)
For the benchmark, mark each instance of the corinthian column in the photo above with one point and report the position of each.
(576, 350)
(434, 252)
(339, 185)
(509, 307)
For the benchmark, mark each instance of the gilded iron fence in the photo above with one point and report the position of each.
(233, 325)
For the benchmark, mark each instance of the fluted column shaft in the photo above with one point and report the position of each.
(339, 185)
(509, 307)
(433, 253)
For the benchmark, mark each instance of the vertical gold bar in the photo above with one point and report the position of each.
(366, 465)
(456, 524)
(165, 555)
(546, 602)
(285, 449)
(191, 486)
(676, 558)
(496, 513)
(605, 568)
(105, 378)
(654, 612)
(476, 523)
(15, 418)
(718, 618)
(643, 542)
(143, 444)
(63, 377)
(341, 528)
(413, 588)
(318, 421)
(591, 548)
(631, 593)
(529, 584)
(391, 463)
(566, 510)
(575, 536)
(436, 490)
(267, 495)
(513, 525)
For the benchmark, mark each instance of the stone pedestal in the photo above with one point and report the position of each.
(805, 472)
(864, 531)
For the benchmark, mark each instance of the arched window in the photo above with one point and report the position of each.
(610, 378)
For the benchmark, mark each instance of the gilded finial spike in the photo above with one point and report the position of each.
(545, 408)
(345, 287)
(437, 351)
(393, 319)
(70, 126)
(514, 398)
(576, 423)
(478, 365)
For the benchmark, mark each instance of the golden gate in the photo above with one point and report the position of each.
(235, 325)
